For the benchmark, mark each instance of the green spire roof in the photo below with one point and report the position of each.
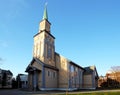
(45, 15)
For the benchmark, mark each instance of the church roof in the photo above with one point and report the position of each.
(76, 64)
(46, 32)
(90, 69)
(45, 15)
(39, 62)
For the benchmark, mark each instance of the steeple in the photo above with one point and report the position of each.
(44, 48)
(45, 15)
(45, 24)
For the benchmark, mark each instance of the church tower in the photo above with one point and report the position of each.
(44, 48)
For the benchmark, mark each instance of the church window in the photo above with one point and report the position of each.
(76, 73)
(49, 54)
(48, 73)
(54, 75)
(72, 68)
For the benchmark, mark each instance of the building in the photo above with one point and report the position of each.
(22, 80)
(5, 78)
(48, 70)
(111, 79)
(90, 77)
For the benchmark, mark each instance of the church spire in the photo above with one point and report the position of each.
(45, 24)
(45, 15)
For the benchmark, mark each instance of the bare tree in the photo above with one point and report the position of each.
(116, 72)
(116, 68)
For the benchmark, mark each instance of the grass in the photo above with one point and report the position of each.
(97, 93)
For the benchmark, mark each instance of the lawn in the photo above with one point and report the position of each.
(97, 93)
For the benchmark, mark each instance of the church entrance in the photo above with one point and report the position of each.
(34, 78)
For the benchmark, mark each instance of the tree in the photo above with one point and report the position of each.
(116, 72)
(110, 83)
(14, 83)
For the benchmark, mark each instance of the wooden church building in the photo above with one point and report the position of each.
(48, 70)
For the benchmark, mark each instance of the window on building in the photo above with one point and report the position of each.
(49, 53)
(72, 68)
(76, 71)
(8, 78)
(54, 75)
(48, 73)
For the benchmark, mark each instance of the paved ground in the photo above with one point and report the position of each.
(20, 92)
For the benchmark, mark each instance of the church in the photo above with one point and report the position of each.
(48, 70)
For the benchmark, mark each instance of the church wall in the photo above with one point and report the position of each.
(38, 48)
(62, 65)
(51, 78)
(75, 76)
(39, 79)
(81, 78)
(87, 81)
(44, 25)
(44, 48)
(49, 50)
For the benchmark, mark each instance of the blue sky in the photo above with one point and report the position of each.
(86, 31)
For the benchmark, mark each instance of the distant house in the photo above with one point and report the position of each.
(5, 78)
(22, 80)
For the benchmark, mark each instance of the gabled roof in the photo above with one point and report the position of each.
(8, 72)
(90, 69)
(76, 65)
(39, 62)
(30, 67)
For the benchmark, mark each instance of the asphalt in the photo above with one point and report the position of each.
(21, 92)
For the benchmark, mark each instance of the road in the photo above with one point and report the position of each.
(20, 92)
